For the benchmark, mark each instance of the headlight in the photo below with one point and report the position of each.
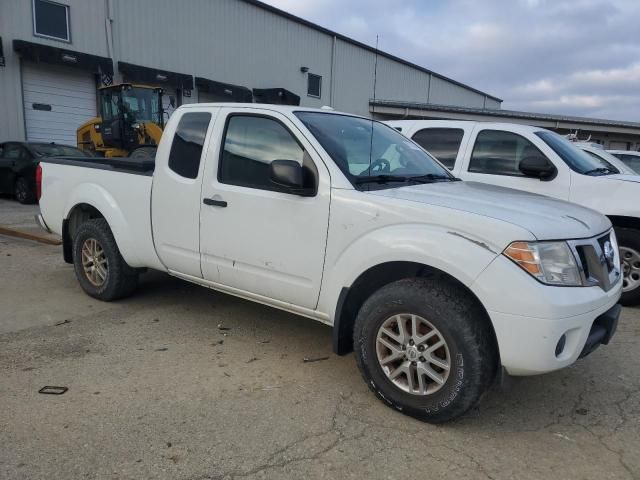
(552, 263)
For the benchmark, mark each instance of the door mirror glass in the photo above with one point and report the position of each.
(287, 173)
(537, 167)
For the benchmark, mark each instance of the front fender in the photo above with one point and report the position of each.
(98, 197)
(457, 253)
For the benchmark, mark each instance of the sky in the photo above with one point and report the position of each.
(572, 57)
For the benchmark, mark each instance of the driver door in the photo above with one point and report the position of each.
(256, 237)
(494, 157)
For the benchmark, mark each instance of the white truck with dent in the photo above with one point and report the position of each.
(433, 282)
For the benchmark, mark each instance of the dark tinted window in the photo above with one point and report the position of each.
(577, 159)
(499, 153)
(51, 19)
(632, 161)
(186, 148)
(250, 145)
(15, 152)
(314, 85)
(442, 143)
(604, 163)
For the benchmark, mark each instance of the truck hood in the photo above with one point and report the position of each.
(624, 178)
(545, 217)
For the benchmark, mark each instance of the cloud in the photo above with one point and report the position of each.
(575, 57)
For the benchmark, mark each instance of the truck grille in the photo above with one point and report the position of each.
(598, 260)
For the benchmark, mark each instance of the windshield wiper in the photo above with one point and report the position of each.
(434, 177)
(381, 179)
(427, 178)
(601, 170)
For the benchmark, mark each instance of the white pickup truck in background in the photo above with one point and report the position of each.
(433, 282)
(538, 161)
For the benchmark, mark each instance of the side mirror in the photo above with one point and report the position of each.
(537, 167)
(290, 175)
(172, 101)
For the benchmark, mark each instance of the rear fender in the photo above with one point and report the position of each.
(99, 198)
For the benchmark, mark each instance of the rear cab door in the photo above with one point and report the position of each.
(493, 155)
(446, 141)
(177, 187)
(257, 238)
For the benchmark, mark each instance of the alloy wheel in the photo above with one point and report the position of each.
(94, 262)
(413, 354)
(631, 268)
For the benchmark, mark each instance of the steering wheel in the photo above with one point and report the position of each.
(379, 166)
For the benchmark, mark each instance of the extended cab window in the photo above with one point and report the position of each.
(442, 143)
(499, 153)
(186, 148)
(250, 144)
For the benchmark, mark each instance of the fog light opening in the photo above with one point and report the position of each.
(561, 344)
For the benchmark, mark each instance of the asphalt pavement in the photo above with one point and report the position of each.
(180, 382)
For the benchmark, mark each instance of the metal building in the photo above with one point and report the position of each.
(54, 55)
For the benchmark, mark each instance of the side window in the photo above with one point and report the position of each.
(250, 145)
(442, 143)
(499, 153)
(14, 152)
(186, 148)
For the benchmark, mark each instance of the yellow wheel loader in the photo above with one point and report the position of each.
(130, 123)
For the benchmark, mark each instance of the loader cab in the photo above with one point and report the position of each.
(125, 110)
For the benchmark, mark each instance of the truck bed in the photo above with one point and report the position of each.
(115, 164)
(119, 188)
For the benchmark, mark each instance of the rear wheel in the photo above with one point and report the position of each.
(99, 267)
(629, 245)
(24, 191)
(425, 348)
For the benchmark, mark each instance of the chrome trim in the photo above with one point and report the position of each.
(596, 271)
(40, 221)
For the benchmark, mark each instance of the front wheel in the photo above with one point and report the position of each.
(425, 348)
(629, 245)
(99, 266)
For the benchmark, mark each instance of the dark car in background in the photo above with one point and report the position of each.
(18, 162)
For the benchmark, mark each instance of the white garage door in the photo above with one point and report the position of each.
(57, 100)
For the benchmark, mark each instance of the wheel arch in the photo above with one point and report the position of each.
(351, 298)
(623, 221)
(78, 214)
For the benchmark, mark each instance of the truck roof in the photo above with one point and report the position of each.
(514, 127)
(270, 106)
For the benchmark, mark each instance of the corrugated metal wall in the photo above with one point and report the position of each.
(224, 40)
(230, 41)
(87, 21)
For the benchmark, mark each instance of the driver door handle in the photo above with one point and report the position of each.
(214, 202)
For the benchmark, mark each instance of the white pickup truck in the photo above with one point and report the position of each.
(539, 161)
(435, 283)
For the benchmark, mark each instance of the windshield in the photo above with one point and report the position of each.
(138, 104)
(53, 150)
(578, 160)
(369, 151)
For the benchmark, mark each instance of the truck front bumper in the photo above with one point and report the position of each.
(559, 324)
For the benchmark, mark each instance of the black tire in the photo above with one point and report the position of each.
(144, 153)
(121, 280)
(465, 329)
(24, 192)
(629, 238)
